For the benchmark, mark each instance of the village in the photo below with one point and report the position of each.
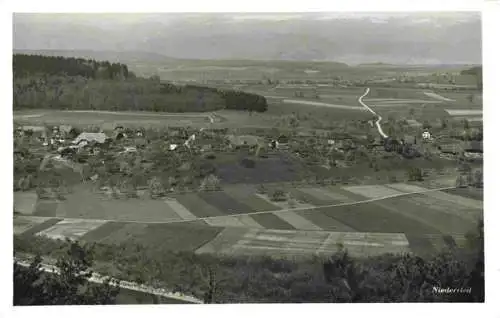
(181, 158)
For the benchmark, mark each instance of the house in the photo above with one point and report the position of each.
(344, 145)
(139, 133)
(238, 141)
(86, 137)
(426, 135)
(409, 140)
(274, 144)
(206, 147)
(474, 147)
(128, 150)
(31, 130)
(282, 139)
(188, 142)
(452, 149)
(173, 146)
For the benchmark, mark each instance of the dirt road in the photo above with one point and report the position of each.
(377, 123)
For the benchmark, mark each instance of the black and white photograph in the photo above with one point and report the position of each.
(165, 158)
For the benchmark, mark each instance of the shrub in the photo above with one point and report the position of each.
(261, 189)
(415, 174)
(278, 196)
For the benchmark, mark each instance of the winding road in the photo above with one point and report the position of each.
(377, 123)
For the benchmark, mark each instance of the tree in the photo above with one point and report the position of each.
(70, 286)
(156, 187)
(415, 174)
(426, 124)
(210, 183)
(444, 123)
(278, 195)
(478, 179)
(466, 124)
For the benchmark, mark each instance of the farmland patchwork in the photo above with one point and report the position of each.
(239, 220)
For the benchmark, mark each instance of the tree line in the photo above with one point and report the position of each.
(70, 83)
(26, 64)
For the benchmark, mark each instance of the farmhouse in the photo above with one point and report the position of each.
(86, 138)
(426, 135)
(452, 149)
(408, 140)
(38, 130)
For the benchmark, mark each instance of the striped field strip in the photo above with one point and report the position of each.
(225, 221)
(324, 194)
(24, 223)
(71, 228)
(372, 191)
(403, 187)
(295, 220)
(464, 112)
(248, 221)
(181, 211)
(279, 242)
(298, 221)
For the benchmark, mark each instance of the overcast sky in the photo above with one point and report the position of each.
(442, 38)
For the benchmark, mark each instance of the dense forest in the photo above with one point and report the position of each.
(69, 83)
(24, 64)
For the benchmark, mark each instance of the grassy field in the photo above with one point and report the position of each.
(97, 206)
(476, 194)
(35, 227)
(197, 205)
(23, 224)
(109, 119)
(179, 237)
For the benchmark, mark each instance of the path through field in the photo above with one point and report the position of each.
(311, 103)
(438, 97)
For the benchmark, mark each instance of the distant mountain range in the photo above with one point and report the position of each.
(422, 38)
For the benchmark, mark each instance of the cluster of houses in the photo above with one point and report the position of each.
(68, 140)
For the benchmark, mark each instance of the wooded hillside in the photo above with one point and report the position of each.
(68, 83)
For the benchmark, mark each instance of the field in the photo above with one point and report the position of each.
(367, 219)
(421, 105)
(110, 119)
